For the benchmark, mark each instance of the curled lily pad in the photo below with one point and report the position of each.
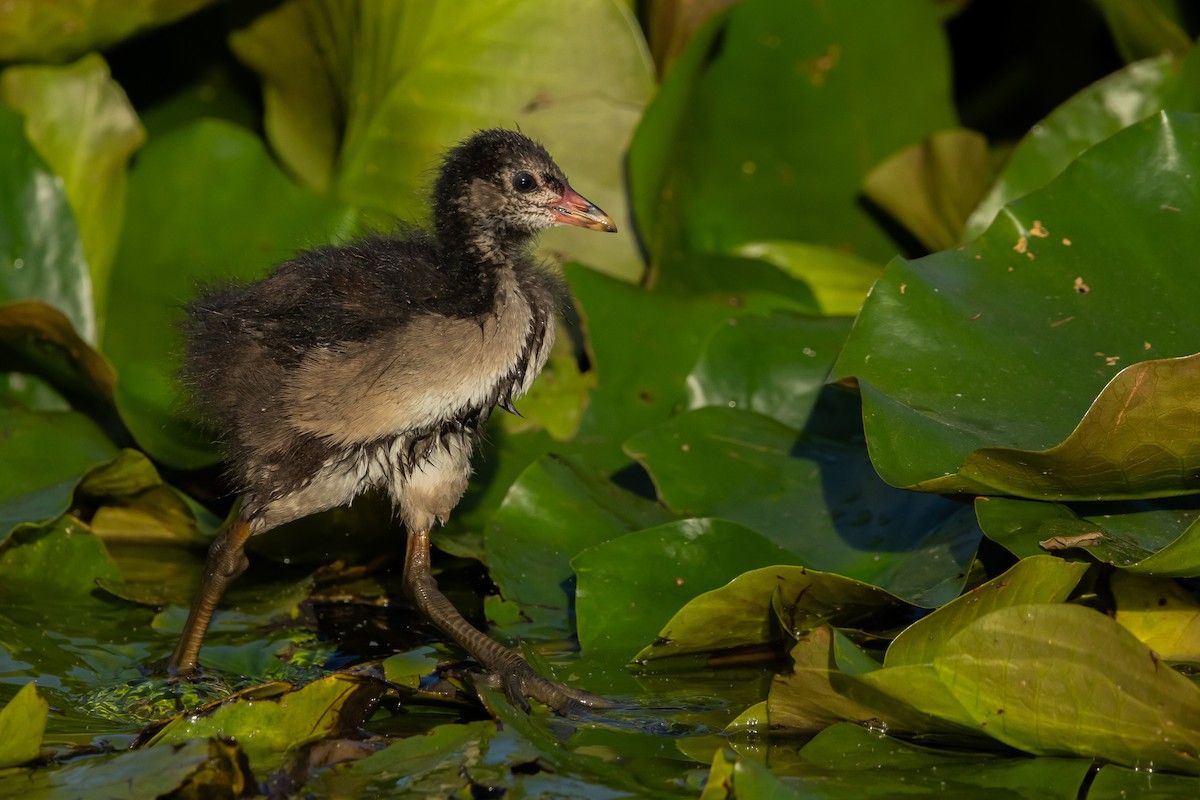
(22, 724)
(974, 361)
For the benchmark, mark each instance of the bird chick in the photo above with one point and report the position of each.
(375, 365)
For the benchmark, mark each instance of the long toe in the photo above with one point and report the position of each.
(521, 683)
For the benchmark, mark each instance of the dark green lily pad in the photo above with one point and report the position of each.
(972, 360)
(775, 366)
(630, 586)
(22, 724)
(79, 120)
(843, 87)
(555, 509)
(819, 500)
(1111, 104)
(224, 231)
(1030, 677)
(643, 344)
(43, 456)
(1118, 783)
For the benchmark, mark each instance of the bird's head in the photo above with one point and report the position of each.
(504, 186)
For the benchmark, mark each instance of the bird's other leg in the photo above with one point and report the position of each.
(226, 560)
(511, 671)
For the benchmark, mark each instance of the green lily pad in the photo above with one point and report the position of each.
(1039, 579)
(1118, 783)
(40, 250)
(629, 587)
(22, 724)
(268, 728)
(1030, 677)
(225, 230)
(1153, 538)
(843, 88)
(554, 510)
(208, 767)
(1111, 104)
(43, 456)
(740, 613)
(31, 30)
(81, 123)
(667, 331)
(775, 366)
(839, 281)
(853, 756)
(974, 360)
(820, 500)
(408, 82)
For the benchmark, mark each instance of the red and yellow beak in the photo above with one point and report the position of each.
(575, 209)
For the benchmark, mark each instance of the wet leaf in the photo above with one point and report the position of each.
(1029, 676)
(80, 121)
(775, 366)
(630, 586)
(1039, 579)
(974, 361)
(708, 176)
(31, 30)
(740, 613)
(932, 187)
(409, 81)
(40, 250)
(267, 728)
(43, 455)
(22, 724)
(819, 500)
(167, 247)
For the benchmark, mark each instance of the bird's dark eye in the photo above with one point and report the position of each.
(523, 182)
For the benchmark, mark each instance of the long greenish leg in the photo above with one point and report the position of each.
(512, 673)
(226, 561)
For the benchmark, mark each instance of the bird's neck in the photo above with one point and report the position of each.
(478, 245)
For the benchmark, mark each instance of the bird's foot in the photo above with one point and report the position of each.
(521, 683)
